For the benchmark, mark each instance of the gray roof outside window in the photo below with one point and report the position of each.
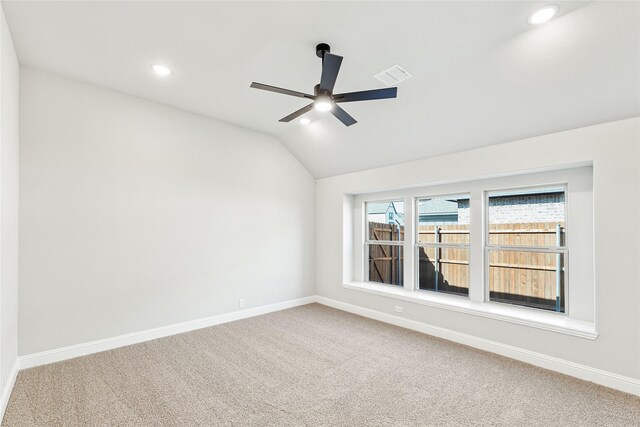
(437, 207)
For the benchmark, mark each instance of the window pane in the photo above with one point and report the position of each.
(444, 270)
(527, 218)
(443, 220)
(385, 220)
(386, 264)
(531, 279)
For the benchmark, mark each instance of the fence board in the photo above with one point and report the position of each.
(528, 276)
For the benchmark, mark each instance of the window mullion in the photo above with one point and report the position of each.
(409, 255)
(476, 250)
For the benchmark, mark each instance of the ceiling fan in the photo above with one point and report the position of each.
(323, 97)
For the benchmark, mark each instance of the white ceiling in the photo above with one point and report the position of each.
(481, 74)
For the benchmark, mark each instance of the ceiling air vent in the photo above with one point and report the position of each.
(392, 76)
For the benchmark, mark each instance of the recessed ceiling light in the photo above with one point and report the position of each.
(161, 70)
(323, 103)
(304, 121)
(543, 15)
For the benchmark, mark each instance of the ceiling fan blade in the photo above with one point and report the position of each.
(330, 68)
(343, 116)
(281, 90)
(297, 113)
(366, 95)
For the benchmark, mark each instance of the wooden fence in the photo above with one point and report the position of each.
(385, 261)
(526, 278)
(444, 269)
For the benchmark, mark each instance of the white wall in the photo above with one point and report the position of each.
(9, 73)
(612, 148)
(135, 215)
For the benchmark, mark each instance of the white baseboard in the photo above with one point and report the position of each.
(64, 353)
(8, 387)
(598, 376)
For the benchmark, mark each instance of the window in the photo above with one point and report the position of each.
(384, 241)
(526, 247)
(442, 244)
(495, 247)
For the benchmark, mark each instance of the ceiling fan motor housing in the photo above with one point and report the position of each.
(317, 91)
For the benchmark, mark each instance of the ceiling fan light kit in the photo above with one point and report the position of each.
(323, 103)
(323, 97)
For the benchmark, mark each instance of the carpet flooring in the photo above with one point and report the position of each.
(308, 366)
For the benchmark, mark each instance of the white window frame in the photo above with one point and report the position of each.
(436, 246)
(579, 316)
(557, 250)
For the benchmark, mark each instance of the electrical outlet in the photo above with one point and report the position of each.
(241, 303)
(398, 309)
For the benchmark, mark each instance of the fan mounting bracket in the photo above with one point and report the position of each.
(321, 49)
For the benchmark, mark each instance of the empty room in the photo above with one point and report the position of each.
(319, 213)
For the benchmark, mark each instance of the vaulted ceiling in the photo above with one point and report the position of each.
(481, 74)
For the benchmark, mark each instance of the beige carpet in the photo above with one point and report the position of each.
(307, 366)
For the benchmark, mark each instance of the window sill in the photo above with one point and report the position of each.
(519, 315)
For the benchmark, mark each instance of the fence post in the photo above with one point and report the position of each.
(558, 266)
(398, 248)
(437, 255)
